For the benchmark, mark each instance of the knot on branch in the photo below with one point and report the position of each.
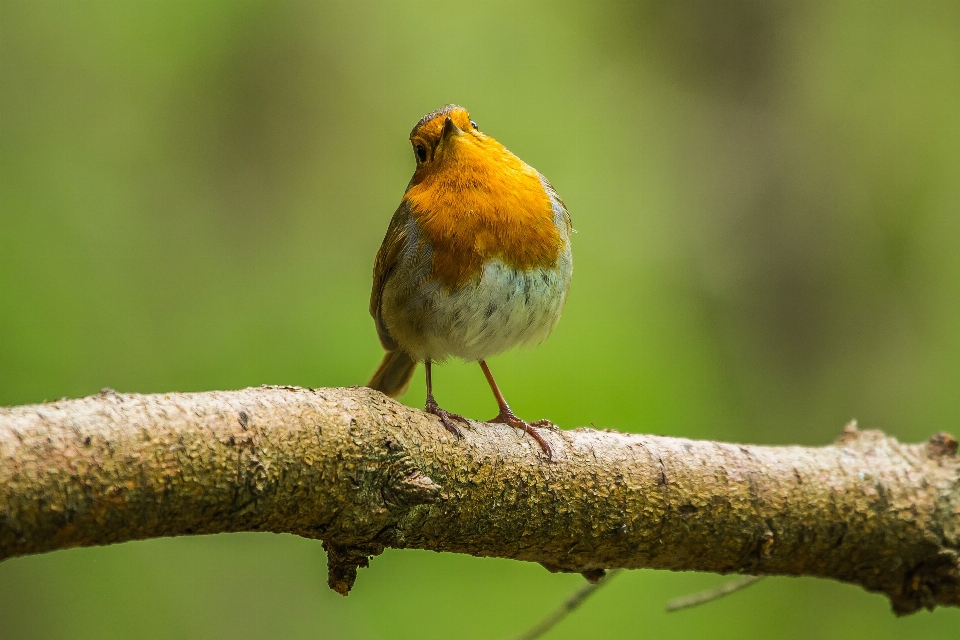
(402, 486)
(942, 445)
(407, 486)
(934, 582)
(344, 560)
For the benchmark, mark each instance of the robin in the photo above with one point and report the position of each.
(476, 260)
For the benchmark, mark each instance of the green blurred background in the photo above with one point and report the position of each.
(766, 195)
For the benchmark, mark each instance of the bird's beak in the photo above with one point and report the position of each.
(449, 129)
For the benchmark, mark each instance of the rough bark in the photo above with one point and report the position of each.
(362, 472)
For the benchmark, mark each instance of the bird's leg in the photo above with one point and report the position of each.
(506, 416)
(448, 419)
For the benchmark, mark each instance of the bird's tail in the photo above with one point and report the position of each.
(393, 375)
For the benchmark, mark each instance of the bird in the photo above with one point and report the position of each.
(476, 260)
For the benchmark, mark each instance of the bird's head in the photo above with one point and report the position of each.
(448, 138)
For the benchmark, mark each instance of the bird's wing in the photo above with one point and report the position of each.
(393, 244)
(556, 197)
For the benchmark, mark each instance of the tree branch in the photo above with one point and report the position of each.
(362, 472)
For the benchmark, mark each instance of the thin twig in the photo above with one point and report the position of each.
(568, 607)
(709, 595)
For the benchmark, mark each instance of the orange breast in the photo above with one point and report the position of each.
(482, 202)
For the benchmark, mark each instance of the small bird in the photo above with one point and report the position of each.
(476, 260)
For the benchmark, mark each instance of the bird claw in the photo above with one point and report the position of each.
(506, 416)
(448, 419)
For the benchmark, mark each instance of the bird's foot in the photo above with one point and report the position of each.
(506, 416)
(448, 419)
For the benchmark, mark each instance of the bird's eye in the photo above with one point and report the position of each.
(421, 153)
(474, 125)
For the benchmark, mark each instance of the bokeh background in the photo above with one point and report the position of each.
(767, 200)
